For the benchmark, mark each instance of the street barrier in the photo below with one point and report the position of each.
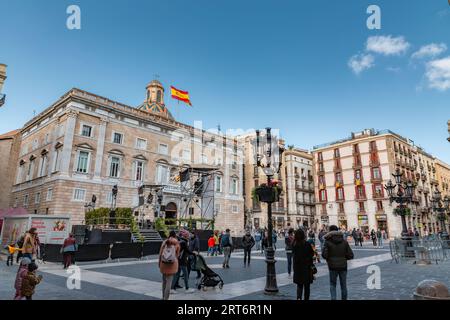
(51, 252)
(92, 252)
(126, 250)
(419, 251)
(151, 248)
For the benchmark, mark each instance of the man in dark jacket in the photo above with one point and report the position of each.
(247, 243)
(337, 251)
(194, 246)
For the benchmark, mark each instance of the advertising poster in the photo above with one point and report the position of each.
(51, 230)
(13, 229)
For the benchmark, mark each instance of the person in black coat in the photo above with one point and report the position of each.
(303, 254)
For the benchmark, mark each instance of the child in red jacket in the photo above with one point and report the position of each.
(211, 245)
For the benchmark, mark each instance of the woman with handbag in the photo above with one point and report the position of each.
(68, 250)
(304, 268)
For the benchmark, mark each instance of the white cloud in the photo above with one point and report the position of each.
(431, 50)
(360, 62)
(438, 74)
(387, 45)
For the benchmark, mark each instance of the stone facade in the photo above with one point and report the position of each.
(9, 152)
(298, 166)
(350, 175)
(85, 144)
(443, 177)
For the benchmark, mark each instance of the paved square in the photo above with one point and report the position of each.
(136, 280)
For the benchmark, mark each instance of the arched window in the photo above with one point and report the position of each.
(158, 96)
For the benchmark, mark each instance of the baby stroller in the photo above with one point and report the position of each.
(209, 278)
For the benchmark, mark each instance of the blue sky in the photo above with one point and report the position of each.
(246, 63)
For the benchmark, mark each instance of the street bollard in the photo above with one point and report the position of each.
(431, 290)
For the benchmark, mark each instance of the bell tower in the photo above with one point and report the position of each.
(155, 93)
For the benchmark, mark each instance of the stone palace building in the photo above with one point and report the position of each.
(84, 144)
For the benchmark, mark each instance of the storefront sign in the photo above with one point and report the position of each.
(363, 220)
(381, 217)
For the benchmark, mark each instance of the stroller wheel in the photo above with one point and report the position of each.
(205, 288)
(221, 285)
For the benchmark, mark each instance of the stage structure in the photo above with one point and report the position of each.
(197, 192)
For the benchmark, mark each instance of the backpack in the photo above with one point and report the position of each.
(169, 255)
(226, 241)
(289, 243)
(21, 241)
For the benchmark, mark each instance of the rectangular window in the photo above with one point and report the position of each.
(57, 160)
(322, 180)
(79, 194)
(204, 159)
(49, 194)
(336, 153)
(217, 208)
(141, 144)
(339, 177)
(117, 138)
(234, 208)
(114, 167)
(379, 205)
(340, 193)
(378, 190)
(30, 170)
(83, 162)
(25, 201)
(109, 198)
(234, 186)
(86, 131)
(321, 168)
(37, 198)
(323, 195)
(319, 156)
(187, 155)
(360, 192)
(139, 171)
(361, 207)
(162, 175)
(43, 169)
(376, 174)
(358, 174)
(218, 185)
(341, 208)
(163, 149)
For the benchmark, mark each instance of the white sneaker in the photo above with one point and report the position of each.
(190, 291)
(172, 291)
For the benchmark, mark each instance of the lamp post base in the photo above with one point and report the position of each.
(271, 276)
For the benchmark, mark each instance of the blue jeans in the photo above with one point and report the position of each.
(380, 241)
(258, 245)
(185, 277)
(343, 282)
(289, 262)
(28, 255)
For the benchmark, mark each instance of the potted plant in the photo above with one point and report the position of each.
(267, 193)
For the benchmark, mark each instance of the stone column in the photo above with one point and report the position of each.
(68, 142)
(100, 149)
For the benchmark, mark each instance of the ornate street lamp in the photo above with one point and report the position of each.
(441, 207)
(403, 196)
(112, 213)
(270, 162)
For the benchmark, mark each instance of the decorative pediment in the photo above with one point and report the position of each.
(58, 145)
(32, 157)
(22, 162)
(140, 157)
(44, 152)
(84, 146)
(162, 161)
(116, 152)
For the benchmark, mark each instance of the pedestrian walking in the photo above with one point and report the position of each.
(248, 243)
(29, 244)
(289, 243)
(322, 233)
(274, 240)
(216, 243)
(30, 281)
(68, 250)
(11, 251)
(20, 246)
(211, 244)
(336, 252)
(380, 238)
(183, 261)
(168, 262)
(21, 273)
(355, 237)
(373, 236)
(258, 238)
(227, 244)
(194, 246)
(360, 237)
(303, 265)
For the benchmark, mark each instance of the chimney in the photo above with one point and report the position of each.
(2, 75)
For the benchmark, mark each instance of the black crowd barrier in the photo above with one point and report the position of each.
(116, 236)
(150, 248)
(92, 252)
(237, 243)
(126, 250)
(51, 252)
(203, 245)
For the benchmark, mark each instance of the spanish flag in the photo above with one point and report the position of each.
(180, 95)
